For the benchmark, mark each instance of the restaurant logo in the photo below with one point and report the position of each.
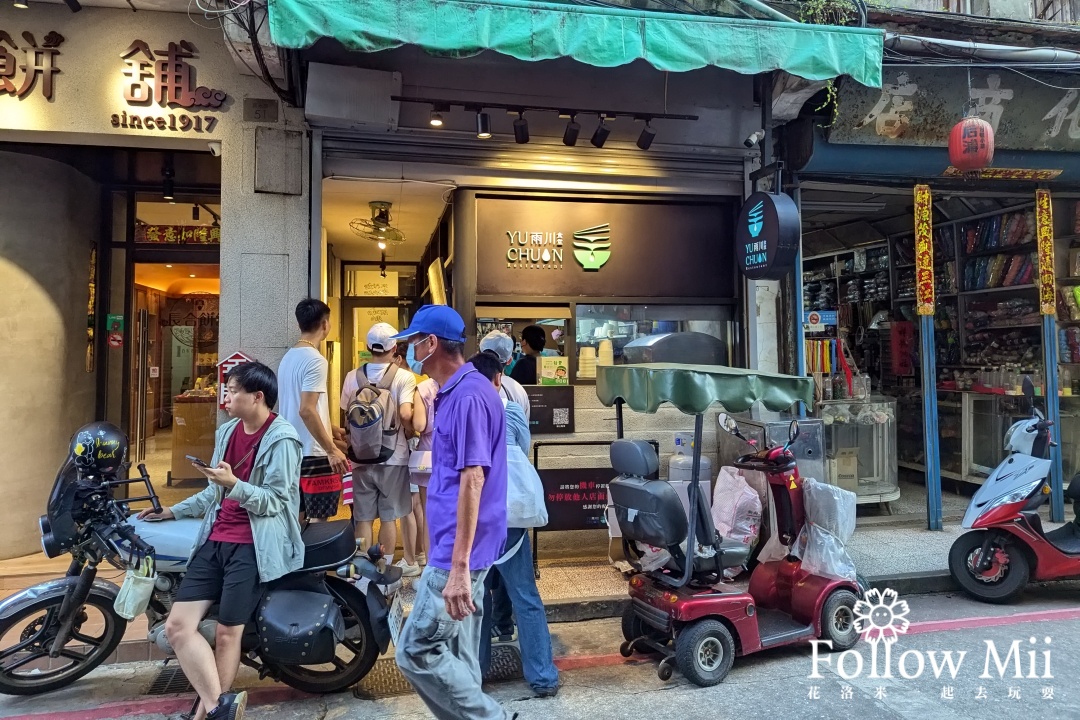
(756, 219)
(592, 244)
(165, 78)
(38, 60)
(534, 250)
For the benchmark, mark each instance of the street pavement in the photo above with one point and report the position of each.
(598, 683)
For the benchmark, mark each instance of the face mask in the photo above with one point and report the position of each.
(421, 361)
(410, 360)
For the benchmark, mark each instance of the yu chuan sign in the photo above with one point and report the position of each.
(767, 236)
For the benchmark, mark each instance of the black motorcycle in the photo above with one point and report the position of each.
(54, 633)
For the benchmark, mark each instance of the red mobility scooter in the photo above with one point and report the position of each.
(683, 611)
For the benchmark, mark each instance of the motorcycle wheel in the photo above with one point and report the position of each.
(25, 638)
(1007, 577)
(356, 654)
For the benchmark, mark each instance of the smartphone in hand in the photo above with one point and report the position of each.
(197, 461)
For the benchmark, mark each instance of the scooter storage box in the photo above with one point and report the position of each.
(328, 545)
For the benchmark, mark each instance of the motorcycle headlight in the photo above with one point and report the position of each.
(1017, 495)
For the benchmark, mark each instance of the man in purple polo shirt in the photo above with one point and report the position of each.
(438, 648)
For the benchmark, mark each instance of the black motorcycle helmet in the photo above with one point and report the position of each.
(99, 448)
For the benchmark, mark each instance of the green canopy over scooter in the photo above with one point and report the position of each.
(693, 388)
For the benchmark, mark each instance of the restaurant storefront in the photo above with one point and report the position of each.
(146, 221)
(594, 197)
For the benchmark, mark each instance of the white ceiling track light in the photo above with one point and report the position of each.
(378, 229)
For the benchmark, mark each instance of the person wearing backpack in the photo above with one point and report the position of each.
(377, 398)
(514, 566)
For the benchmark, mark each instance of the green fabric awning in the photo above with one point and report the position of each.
(599, 36)
(693, 388)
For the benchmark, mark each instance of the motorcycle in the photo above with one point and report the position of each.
(1007, 545)
(56, 632)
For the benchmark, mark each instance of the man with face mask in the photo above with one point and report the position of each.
(438, 646)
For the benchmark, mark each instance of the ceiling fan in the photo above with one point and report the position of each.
(378, 229)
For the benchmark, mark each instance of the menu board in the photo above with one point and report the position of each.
(552, 409)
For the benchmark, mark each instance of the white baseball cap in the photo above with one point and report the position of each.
(380, 337)
(500, 343)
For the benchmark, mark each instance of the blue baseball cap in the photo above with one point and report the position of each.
(442, 321)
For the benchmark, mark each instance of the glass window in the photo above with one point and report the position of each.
(602, 331)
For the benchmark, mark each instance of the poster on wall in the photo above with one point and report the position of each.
(552, 409)
(363, 319)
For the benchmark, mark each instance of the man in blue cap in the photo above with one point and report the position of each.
(439, 645)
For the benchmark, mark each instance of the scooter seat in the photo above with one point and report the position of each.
(1073, 491)
(1066, 538)
(734, 554)
(328, 545)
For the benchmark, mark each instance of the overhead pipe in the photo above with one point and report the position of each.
(915, 45)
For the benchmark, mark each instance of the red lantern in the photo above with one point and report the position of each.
(971, 145)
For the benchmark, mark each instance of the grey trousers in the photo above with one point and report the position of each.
(440, 655)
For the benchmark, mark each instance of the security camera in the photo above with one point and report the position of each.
(215, 148)
(756, 137)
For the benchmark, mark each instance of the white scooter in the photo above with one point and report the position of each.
(1007, 545)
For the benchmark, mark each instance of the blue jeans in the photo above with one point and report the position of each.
(534, 640)
(438, 654)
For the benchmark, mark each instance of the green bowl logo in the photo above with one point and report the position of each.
(592, 246)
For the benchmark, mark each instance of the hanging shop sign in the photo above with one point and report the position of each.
(767, 236)
(224, 366)
(917, 106)
(165, 79)
(924, 251)
(1044, 234)
(570, 247)
(24, 61)
(177, 235)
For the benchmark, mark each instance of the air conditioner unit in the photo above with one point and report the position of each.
(348, 97)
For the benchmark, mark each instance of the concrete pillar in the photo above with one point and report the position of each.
(265, 239)
(49, 217)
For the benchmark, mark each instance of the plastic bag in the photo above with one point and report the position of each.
(830, 523)
(525, 506)
(736, 511)
(137, 589)
(652, 558)
(773, 549)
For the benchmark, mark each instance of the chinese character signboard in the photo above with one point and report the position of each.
(1044, 233)
(917, 106)
(237, 358)
(24, 61)
(924, 251)
(177, 234)
(164, 78)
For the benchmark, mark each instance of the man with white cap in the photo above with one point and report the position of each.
(382, 490)
(502, 345)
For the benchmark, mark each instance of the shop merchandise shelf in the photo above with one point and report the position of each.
(1068, 281)
(1026, 247)
(1028, 286)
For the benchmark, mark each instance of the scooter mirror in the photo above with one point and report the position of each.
(1029, 390)
(793, 431)
(728, 423)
